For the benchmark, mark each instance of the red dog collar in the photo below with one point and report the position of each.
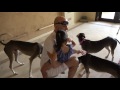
(82, 41)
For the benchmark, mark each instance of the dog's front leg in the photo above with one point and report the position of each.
(31, 60)
(81, 71)
(35, 54)
(87, 72)
(15, 73)
(30, 70)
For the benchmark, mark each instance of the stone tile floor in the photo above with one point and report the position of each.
(92, 30)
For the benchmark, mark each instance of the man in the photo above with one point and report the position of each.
(60, 23)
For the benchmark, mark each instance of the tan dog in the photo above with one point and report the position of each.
(31, 49)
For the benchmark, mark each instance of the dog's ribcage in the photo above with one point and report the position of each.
(100, 65)
(25, 47)
(96, 46)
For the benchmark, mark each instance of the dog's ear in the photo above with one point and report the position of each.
(83, 35)
(77, 36)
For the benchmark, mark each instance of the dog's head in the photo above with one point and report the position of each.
(81, 36)
(83, 58)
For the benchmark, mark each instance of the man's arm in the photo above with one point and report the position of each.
(48, 45)
(53, 59)
(73, 43)
(79, 51)
(52, 56)
(50, 51)
(70, 40)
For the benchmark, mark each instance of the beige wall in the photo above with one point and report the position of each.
(20, 23)
(74, 17)
(90, 15)
(26, 25)
(78, 16)
(70, 17)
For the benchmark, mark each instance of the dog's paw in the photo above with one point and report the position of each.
(30, 76)
(15, 73)
(21, 63)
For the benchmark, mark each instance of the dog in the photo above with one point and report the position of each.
(28, 48)
(96, 46)
(100, 65)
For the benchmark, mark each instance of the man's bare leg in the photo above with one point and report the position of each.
(45, 67)
(72, 65)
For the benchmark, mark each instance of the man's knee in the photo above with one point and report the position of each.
(42, 69)
(74, 61)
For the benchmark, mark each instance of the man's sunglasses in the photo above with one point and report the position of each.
(63, 23)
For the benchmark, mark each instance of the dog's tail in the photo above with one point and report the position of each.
(117, 41)
(2, 42)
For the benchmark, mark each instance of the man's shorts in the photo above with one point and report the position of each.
(55, 71)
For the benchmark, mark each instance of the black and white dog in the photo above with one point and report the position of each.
(100, 65)
(96, 46)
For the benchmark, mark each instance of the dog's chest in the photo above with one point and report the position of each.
(91, 46)
(86, 45)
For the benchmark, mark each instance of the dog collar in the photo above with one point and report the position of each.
(82, 41)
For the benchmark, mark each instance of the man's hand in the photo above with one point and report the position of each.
(69, 40)
(83, 52)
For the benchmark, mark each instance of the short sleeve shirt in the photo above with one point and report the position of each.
(48, 47)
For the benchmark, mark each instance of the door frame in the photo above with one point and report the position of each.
(115, 20)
